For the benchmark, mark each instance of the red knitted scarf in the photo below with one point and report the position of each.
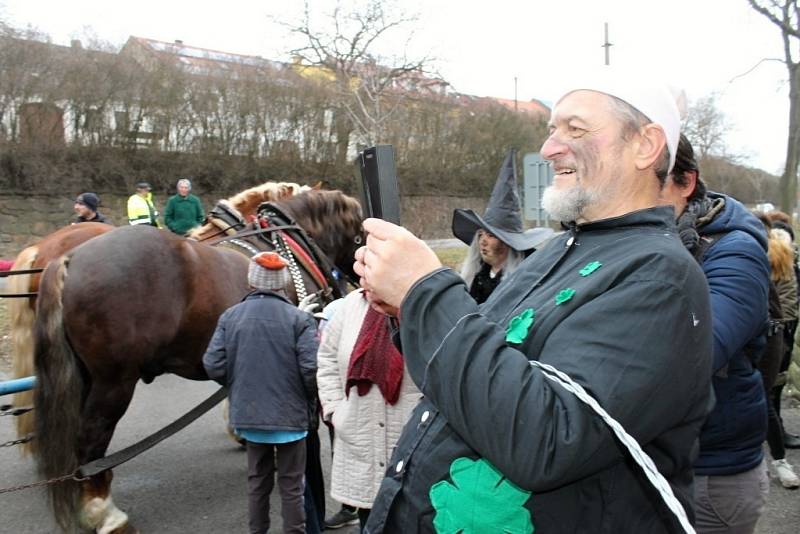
(375, 359)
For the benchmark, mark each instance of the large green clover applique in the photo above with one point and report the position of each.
(480, 500)
(519, 325)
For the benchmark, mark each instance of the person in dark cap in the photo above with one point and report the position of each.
(497, 243)
(141, 209)
(86, 207)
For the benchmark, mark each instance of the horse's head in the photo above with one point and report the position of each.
(333, 219)
(230, 216)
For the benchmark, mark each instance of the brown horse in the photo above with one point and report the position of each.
(229, 214)
(134, 304)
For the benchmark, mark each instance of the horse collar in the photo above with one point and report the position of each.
(272, 213)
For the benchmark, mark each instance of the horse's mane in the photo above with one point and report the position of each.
(248, 200)
(328, 216)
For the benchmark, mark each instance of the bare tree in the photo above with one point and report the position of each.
(371, 87)
(785, 14)
(706, 127)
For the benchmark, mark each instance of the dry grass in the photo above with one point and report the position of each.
(451, 257)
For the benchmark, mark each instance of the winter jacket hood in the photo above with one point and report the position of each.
(735, 216)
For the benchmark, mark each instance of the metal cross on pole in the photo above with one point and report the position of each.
(607, 45)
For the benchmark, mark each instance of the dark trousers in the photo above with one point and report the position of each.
(291, 466)
(788, 346)
(363, 516)
(730, 504)
(313, 523)
(774, 432)
(315, 485)
(769, 364)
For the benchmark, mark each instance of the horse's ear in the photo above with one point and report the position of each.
(317, 186)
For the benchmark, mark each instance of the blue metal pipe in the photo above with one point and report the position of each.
(19, 384)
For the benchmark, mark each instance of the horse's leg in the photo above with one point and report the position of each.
(105, 405)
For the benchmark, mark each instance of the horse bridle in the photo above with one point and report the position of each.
(226, 214)
(273, 212)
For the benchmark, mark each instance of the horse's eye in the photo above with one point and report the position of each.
(357, 240)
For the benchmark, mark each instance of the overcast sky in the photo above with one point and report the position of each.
(480, 46)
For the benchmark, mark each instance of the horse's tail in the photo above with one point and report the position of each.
(59, 393)
(21, 314)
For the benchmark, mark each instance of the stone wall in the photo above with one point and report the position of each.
(26, 219)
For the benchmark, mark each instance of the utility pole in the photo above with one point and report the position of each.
(607, 45)
(515, 93)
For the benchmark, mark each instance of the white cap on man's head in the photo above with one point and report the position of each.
(655, 100)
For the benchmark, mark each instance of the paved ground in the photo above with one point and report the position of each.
(192, 482)
(782, 515)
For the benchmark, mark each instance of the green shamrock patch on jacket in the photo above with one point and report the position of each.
(518, 328)
(480, 500)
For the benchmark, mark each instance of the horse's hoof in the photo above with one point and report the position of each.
(104, 517)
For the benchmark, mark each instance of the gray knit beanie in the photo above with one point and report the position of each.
(268, 272)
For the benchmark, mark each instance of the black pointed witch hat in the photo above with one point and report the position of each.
(502, 217)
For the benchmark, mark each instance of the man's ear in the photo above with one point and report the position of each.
(652, 141)
(690, 177)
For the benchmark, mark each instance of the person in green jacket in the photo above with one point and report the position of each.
(184, 210)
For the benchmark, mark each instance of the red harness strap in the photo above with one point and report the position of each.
(302, 256)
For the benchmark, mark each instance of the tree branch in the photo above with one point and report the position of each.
(754, 67)
(782, 24)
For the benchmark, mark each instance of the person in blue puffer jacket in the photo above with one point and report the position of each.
(730, 243)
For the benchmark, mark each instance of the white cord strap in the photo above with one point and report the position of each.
(641, 458)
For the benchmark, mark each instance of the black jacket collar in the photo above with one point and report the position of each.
(659, 216)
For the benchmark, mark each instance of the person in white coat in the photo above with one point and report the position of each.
(366, 394)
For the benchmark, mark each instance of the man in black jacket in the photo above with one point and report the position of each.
(614, 313)
(86, 209)
(265, 350)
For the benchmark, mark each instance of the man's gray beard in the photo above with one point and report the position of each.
(567, 205)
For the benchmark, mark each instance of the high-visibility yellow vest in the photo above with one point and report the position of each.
(141, 210)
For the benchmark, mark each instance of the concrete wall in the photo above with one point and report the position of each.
(26, 219)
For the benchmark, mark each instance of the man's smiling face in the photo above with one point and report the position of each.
(587, 151)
